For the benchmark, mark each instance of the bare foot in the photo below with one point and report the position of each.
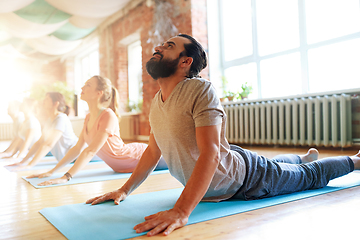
(311, 155)
(356, 160)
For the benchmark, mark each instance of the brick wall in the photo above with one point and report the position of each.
(57, 71)
(187, 16)
(69, 66)
(199, 28)
(121, 82)
(53, 71)
(141, 18)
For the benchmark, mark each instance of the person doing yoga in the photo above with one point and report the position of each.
(188, 129)
(29, 131)
(101, 133)
(57, 135)
(18, 118)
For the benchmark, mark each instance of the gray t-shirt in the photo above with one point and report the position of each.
(68, 138)
(193, 103)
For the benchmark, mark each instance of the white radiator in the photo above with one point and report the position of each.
(311, 121)
(6, 131)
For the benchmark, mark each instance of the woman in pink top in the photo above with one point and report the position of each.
(101, 134)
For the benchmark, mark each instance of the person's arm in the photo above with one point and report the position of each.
(146, 165)
(85, 156)
(25, 146)
(12, 149)
(208, 142)
(69, 157)
(41, 148)
(11, 146)
(31, 152)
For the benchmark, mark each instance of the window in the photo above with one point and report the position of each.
(240, 74)
(330, 73)
(16, 83)
(236, 43)
(303, 46)
(277, 27)
(281, 76)
(86, 66)
(135, 76)
(328, 19)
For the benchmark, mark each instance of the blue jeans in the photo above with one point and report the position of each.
(287, 174)
(161, 164)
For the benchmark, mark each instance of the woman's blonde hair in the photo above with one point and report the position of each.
(110, 94)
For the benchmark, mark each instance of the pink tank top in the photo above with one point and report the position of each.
(119, 156)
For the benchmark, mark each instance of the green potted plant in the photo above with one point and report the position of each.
(230, 95)
(246, 90)
(134, 106)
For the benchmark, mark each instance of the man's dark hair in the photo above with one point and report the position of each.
(197, 53)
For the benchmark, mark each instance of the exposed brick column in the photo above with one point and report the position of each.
(121, 81)
(199, 27)
(102, 53)
(53, 71)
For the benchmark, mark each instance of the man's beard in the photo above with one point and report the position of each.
(162, 68)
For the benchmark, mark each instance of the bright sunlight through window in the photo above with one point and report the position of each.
(14, 85)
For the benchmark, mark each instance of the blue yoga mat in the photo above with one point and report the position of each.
(49, 164)
(85, 176)
(110, 221)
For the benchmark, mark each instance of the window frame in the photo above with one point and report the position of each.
(132, 45)
(303, 48)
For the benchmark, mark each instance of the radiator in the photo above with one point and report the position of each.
(6, 131)
(307, 121)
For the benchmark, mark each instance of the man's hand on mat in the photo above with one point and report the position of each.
(41, 175)
(166, 222)
(53, 181)
(117, 196)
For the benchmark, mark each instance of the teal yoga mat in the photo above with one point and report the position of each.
(110, 221)
(85, 176)
(50, 164)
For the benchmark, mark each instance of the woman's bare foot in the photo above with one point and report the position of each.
(356, 160)
(310, 156)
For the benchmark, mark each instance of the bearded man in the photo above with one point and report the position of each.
(188, 129)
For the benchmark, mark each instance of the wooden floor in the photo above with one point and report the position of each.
(330, 216)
